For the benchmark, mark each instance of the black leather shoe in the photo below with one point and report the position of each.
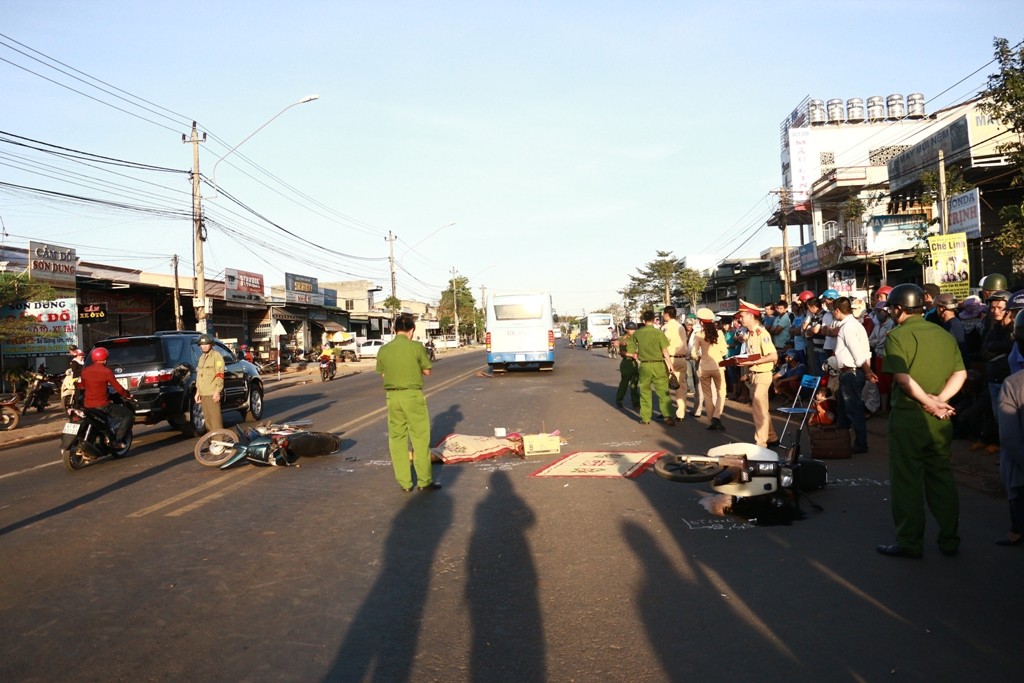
(773, 444)
(432, 486)
(896, 550)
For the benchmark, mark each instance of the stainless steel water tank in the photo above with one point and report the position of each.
(894, 103)
(876, 108)
(816, 112)
(915, 105)
(854, 110)
(835, 111)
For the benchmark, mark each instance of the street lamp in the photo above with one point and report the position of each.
(213, 175)
(200, 303)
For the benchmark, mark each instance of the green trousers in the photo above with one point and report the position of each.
(654, 376)
(409, 421)
(629, 381)
(920, 471)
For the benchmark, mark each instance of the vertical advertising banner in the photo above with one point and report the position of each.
(965, 213)
(950, 267)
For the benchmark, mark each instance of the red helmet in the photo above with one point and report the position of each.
(98, 354)
(804, 296)
(883, 291)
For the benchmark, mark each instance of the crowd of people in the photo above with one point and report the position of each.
(934, 364)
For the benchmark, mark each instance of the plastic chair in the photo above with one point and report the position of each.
(808, 383)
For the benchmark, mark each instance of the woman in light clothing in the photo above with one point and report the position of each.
(709, 349)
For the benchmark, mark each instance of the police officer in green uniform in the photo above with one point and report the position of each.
(403, 363)
(210, 382)
(652, 354)
(928, 371)
(629, 376)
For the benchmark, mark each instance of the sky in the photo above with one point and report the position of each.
(527, 146)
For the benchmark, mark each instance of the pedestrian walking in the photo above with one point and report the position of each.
(927, 371)
(679, 353)
(759, 373)
(210, 382)
(629, 375)
(652, 354)
(403, 363)
(853, 356)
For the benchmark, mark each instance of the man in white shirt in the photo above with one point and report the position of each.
(853, 356)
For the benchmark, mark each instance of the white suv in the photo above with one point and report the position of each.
(369, 348)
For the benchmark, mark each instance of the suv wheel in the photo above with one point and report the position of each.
(255, 410)
(194, 422)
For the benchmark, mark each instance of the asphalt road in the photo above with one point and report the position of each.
(153, 568)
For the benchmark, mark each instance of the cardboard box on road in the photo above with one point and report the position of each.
(541, 444)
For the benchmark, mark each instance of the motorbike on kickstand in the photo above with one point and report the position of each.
(90, 433)
(40, 389)
(268, 444)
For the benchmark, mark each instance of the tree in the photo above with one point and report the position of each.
(692, 284)
(392, 304)
(653, 283)
(1004, 101)
(464, 304)
(930, 184)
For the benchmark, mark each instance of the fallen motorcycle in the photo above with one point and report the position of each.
(40, 389)
(751, 475)
(278, 445)
(90, 433)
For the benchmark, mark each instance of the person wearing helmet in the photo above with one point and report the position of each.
(95, 380)
(1011, 435)
(946, 307)
(629, 375)
(210, 382)
(931, 292)
(928, 372)
(992, 283)
(803, 296)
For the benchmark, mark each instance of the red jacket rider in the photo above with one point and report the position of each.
(96, 378)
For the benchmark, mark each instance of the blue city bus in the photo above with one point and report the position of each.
(520, 331)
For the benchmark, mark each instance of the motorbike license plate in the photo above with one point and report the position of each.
(71, 428)
(124, 382)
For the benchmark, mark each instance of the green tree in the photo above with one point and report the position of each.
(1004, 101)
(458, 298)
(392, 304)
(692, 284)
(653, 283)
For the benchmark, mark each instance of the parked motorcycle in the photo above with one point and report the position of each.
(89, 433)
(40, 389)
(67, 388)
(327, 369)
(267, 444)
(9, 415)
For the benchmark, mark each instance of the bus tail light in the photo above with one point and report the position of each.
(551, 340)
(487, 341)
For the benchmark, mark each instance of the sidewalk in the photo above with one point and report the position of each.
(35, 427)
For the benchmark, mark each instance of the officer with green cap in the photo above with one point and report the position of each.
(210, 382)
(403, 363)
(928, 371)
(629, 375)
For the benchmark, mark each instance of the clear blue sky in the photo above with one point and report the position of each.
(568, 141)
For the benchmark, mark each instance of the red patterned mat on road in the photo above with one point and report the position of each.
(468, 448)
(600, 464)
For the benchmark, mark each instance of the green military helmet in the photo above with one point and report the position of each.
(204, 339)
(906, 295)
(993, 281)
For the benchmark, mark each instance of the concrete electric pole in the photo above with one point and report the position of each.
(198, 236)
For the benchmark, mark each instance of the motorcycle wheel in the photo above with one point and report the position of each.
(324, 375)
(9, 419)
(72, 457)
(216, 448)
(127, 445)
(676, 468)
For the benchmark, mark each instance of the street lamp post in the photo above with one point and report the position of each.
(201, 305)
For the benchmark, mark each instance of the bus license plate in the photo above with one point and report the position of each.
(71, 428)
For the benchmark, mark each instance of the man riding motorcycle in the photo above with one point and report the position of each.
(94, 382)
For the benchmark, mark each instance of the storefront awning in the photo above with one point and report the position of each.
(328, 325)
(285, 314)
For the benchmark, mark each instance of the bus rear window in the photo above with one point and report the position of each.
(518, 311)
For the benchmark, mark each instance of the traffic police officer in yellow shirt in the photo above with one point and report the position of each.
(210, 382)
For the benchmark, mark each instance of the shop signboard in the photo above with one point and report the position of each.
(52, 264)
(243, 287)
(302, 289)
(56, 317)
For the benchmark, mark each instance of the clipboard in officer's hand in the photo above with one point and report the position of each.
(736, 360)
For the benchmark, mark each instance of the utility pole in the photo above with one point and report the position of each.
(787, 291)
(455, 308)
(942, 192)
(177, 296)
(391, 258)
(199, 235)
